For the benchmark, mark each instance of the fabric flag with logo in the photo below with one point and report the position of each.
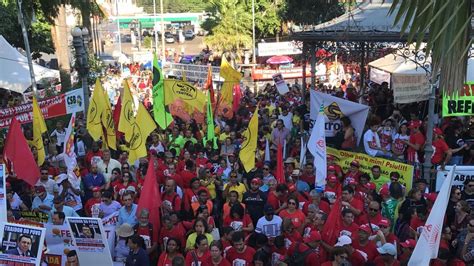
(210, 125)
(94, 114)
(267, 151)
(150, 198)
(280, 172)
(18, 152)
(39, 127)
(127, 114)
(108, 122)
(69, 154)
(249, 146)
(210, 87)
(427, 246)
(160, 113)
(231, 77)
(190, 95)
(317, 147)
(142, 128)
(116, 117)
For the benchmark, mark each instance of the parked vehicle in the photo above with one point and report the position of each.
(189, 35)
(169, 38)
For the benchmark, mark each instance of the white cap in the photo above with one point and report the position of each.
(343, 240)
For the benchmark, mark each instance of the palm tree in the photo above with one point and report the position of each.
(450, 38)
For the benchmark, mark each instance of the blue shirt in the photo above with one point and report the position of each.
(48, 201)
(126, 217)
(91, 180)
(68, 212)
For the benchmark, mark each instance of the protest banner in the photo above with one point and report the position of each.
(90, 239)
(34, 216)
(460, 105)
(67, 103)
(59, 241)
(336, 108)
(3, 194)
(461, 174)
(280, 84)
(344, 159)
(21, 244)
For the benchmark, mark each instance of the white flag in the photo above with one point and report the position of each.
(69, 155)
(317, 147)
(428, 244)
(267, 151)
(303, 150)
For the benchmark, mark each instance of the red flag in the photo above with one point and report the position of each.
(280, 173)
(19, 154)
(210, 87)
(328, 234)
(116, 116)
(150, 198)
(237, 96)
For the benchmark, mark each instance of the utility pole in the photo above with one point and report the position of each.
(163, 56)
(254, 59)
(21, 20)
(154, 26)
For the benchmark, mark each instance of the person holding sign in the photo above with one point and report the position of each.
(23, 246)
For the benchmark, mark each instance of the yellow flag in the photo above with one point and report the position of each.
(227, 93)
(249, 146)
(94, 114)
(142, 128)
(39, 127)
(177, 89)
(228, 72)
(127, 117)
(108, 122)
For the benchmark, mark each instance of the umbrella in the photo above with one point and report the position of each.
(279, 60)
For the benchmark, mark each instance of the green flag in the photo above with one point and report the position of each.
(210, 124)
(161, 115)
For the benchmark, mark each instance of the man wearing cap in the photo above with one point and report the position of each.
(384, 234)
(270, 223)
(356, 257)
(442, 153)
(312, 242)
(415, 143)
(43, 201)
(388, 252)
(363, 243)
(335, 167)
(254, 200)
(353, 174)
(234, 185)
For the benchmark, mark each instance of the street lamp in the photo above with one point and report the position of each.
(80, 41)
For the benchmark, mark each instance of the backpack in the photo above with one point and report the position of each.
(298, 258)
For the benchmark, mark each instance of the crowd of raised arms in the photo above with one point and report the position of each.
(213, 212)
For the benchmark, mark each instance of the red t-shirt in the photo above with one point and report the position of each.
(177, 231)
(357, 204)
(241, 259)
(164, 260)
(174, 200)
(350, 230)
(310, 179)
(440, 147)
(364, 219)
(370, 249)
(356, 259)
(380, 262)
(89, 204)
(191, 260)
(186, 176)
(416, 138)
(297, 216)
(274, 201)
(224, 262)
(237, 224)
(314, 258)
(291, 238)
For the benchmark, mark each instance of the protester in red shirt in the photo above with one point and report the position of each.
(355, 256)
(341, 257)
(407, 248)
(415, 142)
(315, 198)
(442, 153)
(171, 202)
(173, 246)
(277, 198)
(332, 166)
(200, 254)
(308, 175)
(188, 173)
(353, 174)
(347, 227)
(293, 212)
(332, 190)
(216, 258)
(313, 241)
(373, 214)
(239, 253)
(348, 201)
(96, 199)
(171, 229)
(388, 252)
(363, 243)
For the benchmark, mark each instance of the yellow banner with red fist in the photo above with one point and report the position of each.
(344, 159)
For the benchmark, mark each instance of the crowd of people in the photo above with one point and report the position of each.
(213, 212)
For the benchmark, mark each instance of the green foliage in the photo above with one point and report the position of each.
(39, 32)
(174, 6)
(311, 11)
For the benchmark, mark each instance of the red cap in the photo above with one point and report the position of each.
(384, 222)
(366, 228)
(331, 168)
(355, 163)
(332, 178)
(414, 124)
(96, 189)
(255, 181)
(312, 237)
(437, 131)
(40, 189)
(370, 186)
(409, 243)
(384, 191)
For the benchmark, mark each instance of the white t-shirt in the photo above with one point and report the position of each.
(287, 120)
(270, 228)
(60, 136)
(371, 139)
